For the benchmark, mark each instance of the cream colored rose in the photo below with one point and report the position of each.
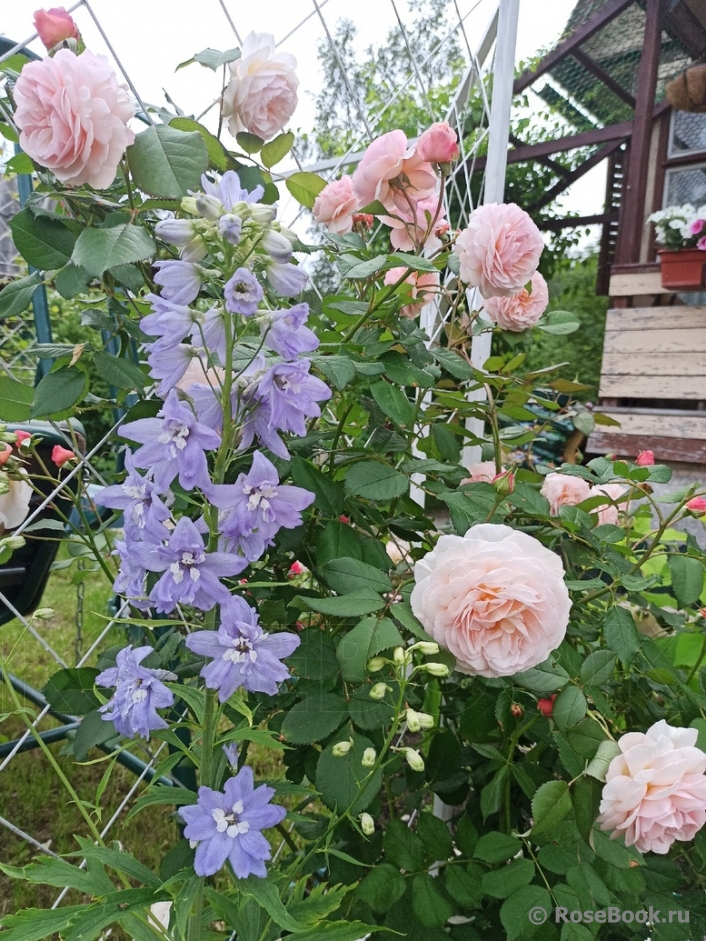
(262, 94)
(495, 598)
(483, 472)
(564, 490)
(655, 790)
(14, 505)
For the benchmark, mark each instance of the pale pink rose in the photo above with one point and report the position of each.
(73, 115)
(499, 250)
(422, 286)
(495, 598)
(197, 372)
(261, 96)
(398, 550)
(335, 205)
(412, 230)
(608, 513)
(438, 144)
(655, 790)
(483, 472)
(645, 458)
(697, 505)
(564, 490)
(14, 505)
(522, 310)
(380, 171)
(54, 26)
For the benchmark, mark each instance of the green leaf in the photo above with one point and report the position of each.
(382, 888)
(320, 901)
(347, 574)
(550, 804)
(94, 730)
(71, 691)
(464, 885)
(119, 372)
(621, 634)
(339, 931)
(305, 187)
(329, 497)
(71, 281)
(314, 718)
(544, 678)
(167, 162)
(355, 604)
(59, 391)
(211, 59)
(97, 250)
(369, 714)
(266, 895)
(275, 150)
(435, 836)
(17, 295)
(217, 154)
(365, 269)
(598, 667)
(15, 400)
(687, 578)
(491, 797)
(569, 707)
(87, 925)
(515, 911)
(340, 370)
(428, 904)
(120, 861)
(343, 782)
(337, 540)
(402, 613)
(453, 363)
(393, 403)
(43, 243)
(503, 882)
(403, 846)
(599, 764)
(315, 657)
(34, 924)
(589, 887)
(559, 322)
(367, 639)
(375, 481)
(250, 143)
(162, 794)
(48, 870)
(496, 847)
(586, 798)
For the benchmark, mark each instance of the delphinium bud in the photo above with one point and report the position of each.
(375, 664)
(341, 748)
(413, 758)
(367, 824)
(378, 691)
(369, 758)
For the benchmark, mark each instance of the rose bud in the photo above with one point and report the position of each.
(504, 483)
(5, 453)
(517, 710)
(697, 506)
(645, 459)
(546, 706)
(296, 568)
(60, 455)
(363, 218)
(344, 519)
(22, 436)
(54, 26)
(438, 144)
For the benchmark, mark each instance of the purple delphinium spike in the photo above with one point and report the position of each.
(231, 753)
(169, 363)
(287, 280)
(257, 506)
(241, 653)
(243, 293)
(173, 443)
(226, 825)
(229, 227)
(185, 235)
(191, 575)
(292, 395)
(285, 331)
(132, 576)
(139, 692)
(227, 188)
(142, 508)
(180, 280)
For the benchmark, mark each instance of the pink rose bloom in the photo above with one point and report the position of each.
(697, 226)
(412, 231)
(261, 96)
(499, 250)
(438, 144)
(54, 26)
(697, 505)
(198, 372)
(645, 459)
(336, 204)
(564, 490)
(14, 505)
(61, 456)
(521, 311)
(655, 790)
(483, 472)
(377, 175)
(495, 598)
(608, 513)
(422, 285)
(73, 115)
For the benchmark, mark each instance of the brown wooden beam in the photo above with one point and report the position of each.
(547, 161)
(598, 135)
(600, 155)
(633, 211)
(687, 450)
(592, 66)
(609, 12)
(577, 222)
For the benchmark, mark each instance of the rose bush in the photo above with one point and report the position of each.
(380, 715)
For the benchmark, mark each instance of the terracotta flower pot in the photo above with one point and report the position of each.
(683, 270)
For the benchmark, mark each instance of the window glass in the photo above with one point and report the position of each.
(685, 185)
(688, 133)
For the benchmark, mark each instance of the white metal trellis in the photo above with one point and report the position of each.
(493, 125)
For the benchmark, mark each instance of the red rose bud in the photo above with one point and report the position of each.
(441, 229)
(697, 506)
(296, 568)
(546, 706)
(438, 144)
(22, 436)
(504, 483)
(54, 26)
(344, 519)
(517, 710)
(5, 453)
(645, 459)
(60, 455)
(363, 218)
(299, 626)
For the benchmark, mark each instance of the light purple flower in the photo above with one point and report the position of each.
(292, 395)
(230, 227)
(285, 333)
(243, 293)
(241, 653)
(277, 246)
(139, 692)
(169, 363)
(173, 443)
(226, 825)
(257, 506)
(130, 582)
(168, 320)
(191, 575)
(231, 753)
(288, 280)
(228, 190)
(185, 235)
(180, 280)
(142, 508)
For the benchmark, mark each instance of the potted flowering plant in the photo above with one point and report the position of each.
(455, 722)
(682, 232)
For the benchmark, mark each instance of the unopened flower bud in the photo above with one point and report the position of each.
(44, 614)
(378, 691)
(369, 758)
(645, 459)
(426, 721)
(277, 247)
(504, 483)
(697, 506)
(342, 748)
(414, 759)
(229, 227)
(546, 706)
(375, 664)
(426, 647)
(363, 218)
(517, 710)
(398, 656)
(413, 723)
(12, 542)
(61, 456)
(436, 669)
(367, 824)
(208, 207)
(262, 214)
(22, 436)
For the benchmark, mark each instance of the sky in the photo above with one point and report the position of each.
(151, 37)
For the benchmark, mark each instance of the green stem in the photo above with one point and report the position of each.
(699, 661)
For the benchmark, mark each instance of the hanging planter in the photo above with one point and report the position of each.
(687, 92)
(683, 270)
